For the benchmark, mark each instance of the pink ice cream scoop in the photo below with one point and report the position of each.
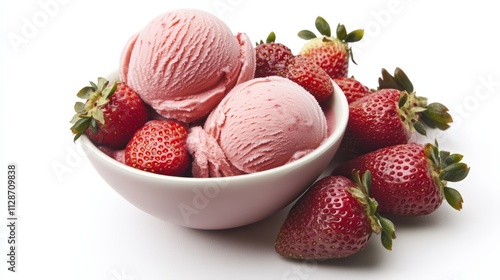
(260, 124)
(185, 61)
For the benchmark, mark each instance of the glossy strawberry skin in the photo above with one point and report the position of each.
(310, 76)
(123, 114)
(271, 58)
(331, 54)
(326, 222)
(402, 180)
(375, 122)
(159, 147)
(352, 88)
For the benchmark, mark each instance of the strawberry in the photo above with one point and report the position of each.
(330, 53)
(271, 57)
(390, 116)
(111, 114)
(410, 179)
(159, 147)
(310, 76)
(276, 59)
(352, 88)
(334, 218)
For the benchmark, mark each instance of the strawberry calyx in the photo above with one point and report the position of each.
(419, 114)
(446, 167)
(89, 114)
(271, 38)
(324, 29)
(379, 224)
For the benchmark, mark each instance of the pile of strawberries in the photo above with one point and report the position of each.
(382, 170)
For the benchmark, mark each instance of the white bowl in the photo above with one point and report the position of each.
(219, 203)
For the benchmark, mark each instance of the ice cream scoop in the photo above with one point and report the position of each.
(185, 61)
(260, 124)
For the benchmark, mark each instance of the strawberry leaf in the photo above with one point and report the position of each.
(437, 116)
(79, 107)
(402, 99)
(323, 27)
(108, 91)
(453, 197)
(419, 127)
(94, 86)
(388, 81)
(455, 172)
(306, 34)
(97, 115)
(94, 128)
(85, 92)
(403, 80)
(80, 126)
(271, 38)
(354, 36)
(341, 32)
(101, 83)
(453, 158)
(388, 232)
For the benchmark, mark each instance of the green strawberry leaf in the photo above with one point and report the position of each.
(388, 81)
(403, 80)
(354, 36)
(271, 38)
(453, 158)
(94, 128)
(85, 92)
(79, 107)
(323, 27)
(420, 128)
(453, 197)
(108, 91)
(341, 32)
(437, 116)
(306, 35)
(455, 172)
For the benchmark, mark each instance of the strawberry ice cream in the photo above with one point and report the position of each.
(184, 62)
(261, 124)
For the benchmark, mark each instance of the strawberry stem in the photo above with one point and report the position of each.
(447, 168)
(421, 114)
(89, 114)
(378, 223)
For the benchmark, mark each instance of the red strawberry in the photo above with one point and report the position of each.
(352, 88)
(390, 116)
(110, 115)
(310, 76)
(271, 57)
(330, 53)
(410, 179)
(159, 147)
(335, 218)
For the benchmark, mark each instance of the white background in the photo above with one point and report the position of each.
(73, 226)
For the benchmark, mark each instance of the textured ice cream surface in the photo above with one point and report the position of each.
(261, 124)
(185, 61)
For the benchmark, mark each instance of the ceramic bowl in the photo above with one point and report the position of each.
(220, 203)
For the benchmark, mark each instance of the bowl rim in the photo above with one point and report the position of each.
(337, 134)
